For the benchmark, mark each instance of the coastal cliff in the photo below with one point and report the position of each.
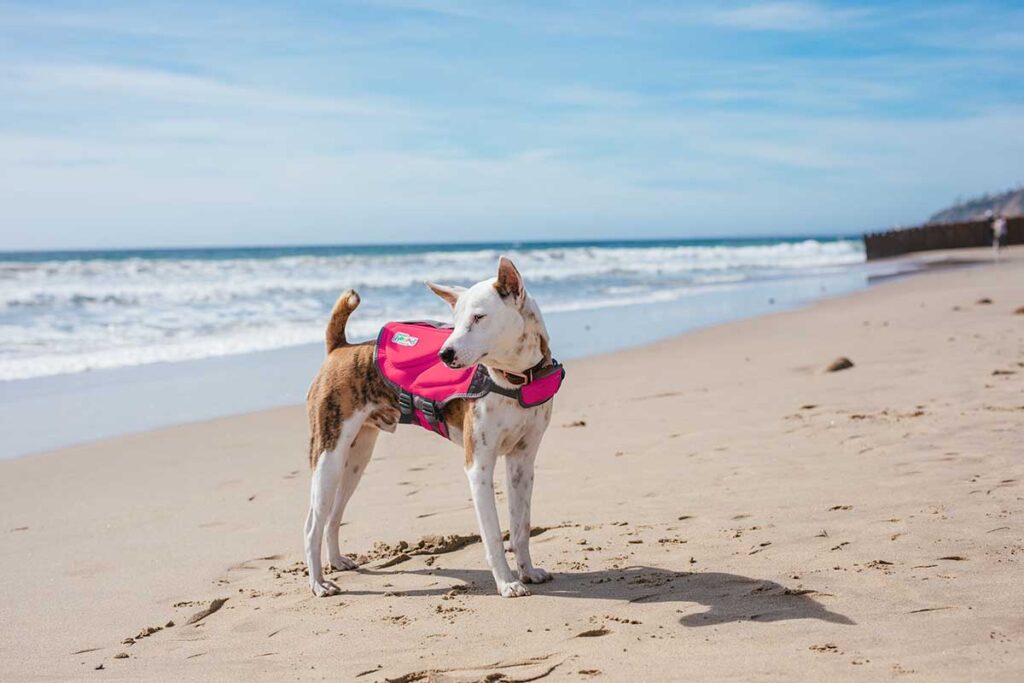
(1009, 203)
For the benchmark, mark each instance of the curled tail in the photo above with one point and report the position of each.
(343, 307)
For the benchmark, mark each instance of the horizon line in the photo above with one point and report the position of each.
(467, 243)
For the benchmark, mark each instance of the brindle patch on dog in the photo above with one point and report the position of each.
(347, 382)
(458, 414)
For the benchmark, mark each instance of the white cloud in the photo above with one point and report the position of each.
(786, 16)
(170, 86)
(589, 96)
(683, 174)
(347, 135)
(770, 16)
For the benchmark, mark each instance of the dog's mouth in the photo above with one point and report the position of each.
(457, 359)
(456, 363)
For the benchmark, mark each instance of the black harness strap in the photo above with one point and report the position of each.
(430, 411)
(498, 389)
(409, 403)
(405, 407)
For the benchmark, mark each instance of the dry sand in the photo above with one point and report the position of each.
(714, 507)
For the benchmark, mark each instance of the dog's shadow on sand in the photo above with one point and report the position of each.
(727, 597)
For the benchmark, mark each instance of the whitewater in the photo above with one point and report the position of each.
(63, 313)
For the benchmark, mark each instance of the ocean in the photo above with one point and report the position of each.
(127, 340)
(71, 312)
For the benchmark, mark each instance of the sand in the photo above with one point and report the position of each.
(714, 506)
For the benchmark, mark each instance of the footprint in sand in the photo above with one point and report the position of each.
(830, 648)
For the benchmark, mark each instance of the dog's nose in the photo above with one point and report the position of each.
(447, 356)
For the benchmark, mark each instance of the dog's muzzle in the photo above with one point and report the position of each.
(447, 357)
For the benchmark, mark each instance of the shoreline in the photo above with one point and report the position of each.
(106, 403)
(722, 494)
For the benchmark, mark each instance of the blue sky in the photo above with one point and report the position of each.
(145, 124)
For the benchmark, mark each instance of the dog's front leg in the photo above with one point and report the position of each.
(480, 473)
(519, 472)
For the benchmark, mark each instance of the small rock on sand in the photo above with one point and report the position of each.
(392, 561)
(202, 614)
(841, 363)
(1019, 310)
(983, 300)
(593, 633)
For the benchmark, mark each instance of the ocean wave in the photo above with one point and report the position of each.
(242, 341)
(136, 282)
(70, 315)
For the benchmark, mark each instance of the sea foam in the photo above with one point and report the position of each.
(92, 311)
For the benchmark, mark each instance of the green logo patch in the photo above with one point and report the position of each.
(404, 339)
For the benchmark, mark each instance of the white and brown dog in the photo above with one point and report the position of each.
(496, 324)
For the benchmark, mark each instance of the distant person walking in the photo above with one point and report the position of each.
(998, 231)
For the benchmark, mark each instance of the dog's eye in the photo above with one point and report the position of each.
(478, 317)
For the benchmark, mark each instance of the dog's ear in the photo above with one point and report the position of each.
(509, 282)
(449, 294)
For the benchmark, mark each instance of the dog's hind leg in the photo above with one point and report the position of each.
(322, 491)
(481, 484)
(352, 471)
(519, 473)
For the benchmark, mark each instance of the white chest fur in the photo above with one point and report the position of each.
(500, 423)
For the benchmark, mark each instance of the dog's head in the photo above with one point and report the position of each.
(489, 321)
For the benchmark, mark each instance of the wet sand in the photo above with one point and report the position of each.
(714, 506)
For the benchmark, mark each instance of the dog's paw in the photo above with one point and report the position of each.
(534, 575)
(322, 589)
(342, 563)
(513, 589)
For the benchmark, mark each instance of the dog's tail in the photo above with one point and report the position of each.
(343, 307)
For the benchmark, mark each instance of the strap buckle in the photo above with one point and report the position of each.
(518, 378)
(405, 403)
(428, 408)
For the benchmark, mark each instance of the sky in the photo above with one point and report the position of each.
(127, 124)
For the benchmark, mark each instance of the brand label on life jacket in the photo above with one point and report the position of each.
(404, 339)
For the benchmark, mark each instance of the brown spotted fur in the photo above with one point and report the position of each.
(348, 380)
(459, 414)
(508, 282)
(343, 307)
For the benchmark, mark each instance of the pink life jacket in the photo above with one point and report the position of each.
(407, 360)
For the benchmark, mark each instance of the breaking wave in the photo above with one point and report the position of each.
(74, 312)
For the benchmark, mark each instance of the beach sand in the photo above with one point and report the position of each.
(714, 507)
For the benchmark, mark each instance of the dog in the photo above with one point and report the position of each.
(496, 324)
